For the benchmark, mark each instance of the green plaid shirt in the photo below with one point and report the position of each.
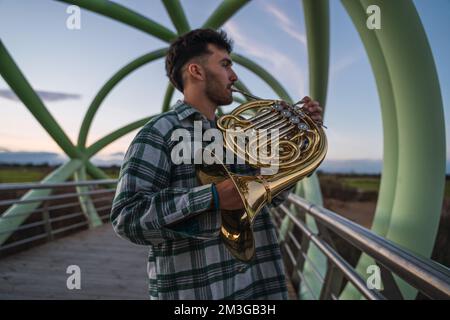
(162, 205)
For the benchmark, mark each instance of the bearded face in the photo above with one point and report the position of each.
(217, 90)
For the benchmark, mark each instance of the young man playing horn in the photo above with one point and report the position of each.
(162, 205)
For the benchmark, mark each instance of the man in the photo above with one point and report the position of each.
(162, 205)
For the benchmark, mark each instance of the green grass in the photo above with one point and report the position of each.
(362, 183)
(21, 174)
(373, 184)
(35, 174)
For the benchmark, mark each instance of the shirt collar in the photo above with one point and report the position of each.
(184, 111)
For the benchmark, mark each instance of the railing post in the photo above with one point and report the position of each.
(332, 283)
(47, 223)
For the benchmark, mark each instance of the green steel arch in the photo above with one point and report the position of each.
(412, 184)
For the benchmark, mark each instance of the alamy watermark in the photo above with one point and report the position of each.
(73, 21)
(373, 21)
(256, 146)
(73, 282)
(374, 280)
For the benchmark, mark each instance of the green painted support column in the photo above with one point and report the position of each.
(109, 85)
(113, 136)
(263, 74)
(22, 88)
(168, 97)
(224, 12)
(18, 213)
(317, 20)
(86, 204)
(176, 13)
(420, 179)
(389, 115)
(122, 14)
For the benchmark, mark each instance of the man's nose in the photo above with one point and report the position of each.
(233, 77)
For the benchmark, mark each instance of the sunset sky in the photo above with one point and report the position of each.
(68, 67)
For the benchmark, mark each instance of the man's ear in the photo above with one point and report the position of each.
(196, 71)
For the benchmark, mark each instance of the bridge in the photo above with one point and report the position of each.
(49, 226)
(36, 259)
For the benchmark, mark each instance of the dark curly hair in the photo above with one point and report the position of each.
(190, 45)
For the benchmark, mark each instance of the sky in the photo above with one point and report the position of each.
(68, 67)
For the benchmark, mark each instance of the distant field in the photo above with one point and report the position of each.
(362, 183)
(373, 183)
(22, 174)
(32, 174)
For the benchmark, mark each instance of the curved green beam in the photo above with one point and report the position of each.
(224, 12)
(389, 116)
(103, 142)
(420, 177)
(22, 88)
(263, 74)
(129, 17)
(317, 22)
(109, 85)
(113, 136)
(168, 97)
(176, 13)
(86, 204)
(18, 213)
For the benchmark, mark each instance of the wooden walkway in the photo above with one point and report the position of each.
(111, 268)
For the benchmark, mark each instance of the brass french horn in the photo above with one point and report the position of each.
(299, 148)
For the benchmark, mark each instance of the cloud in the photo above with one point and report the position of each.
(286, 23)
(47, 96)
(343, 63)
(280, 64)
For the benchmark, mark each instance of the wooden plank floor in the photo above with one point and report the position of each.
(111, 268)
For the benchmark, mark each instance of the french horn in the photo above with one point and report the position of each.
(299, 148)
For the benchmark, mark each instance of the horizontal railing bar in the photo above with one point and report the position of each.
(316, 273)
(67, 216)
(73, 226)
(59, 206)
(102, 199)
(17, 243)
(37, 185)
(313, 266)
(55, 197)
(294, 240)
(331, 254)
(104, 208)
(104, 216)
(23, 227)
(427, 276)
(307, 284)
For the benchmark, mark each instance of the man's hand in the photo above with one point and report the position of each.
(229, 198)
(313, 108)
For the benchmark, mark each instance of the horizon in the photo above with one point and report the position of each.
(353, 115)
(356, 166)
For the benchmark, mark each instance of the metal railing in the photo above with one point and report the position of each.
(51, 219)
(427, 276)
